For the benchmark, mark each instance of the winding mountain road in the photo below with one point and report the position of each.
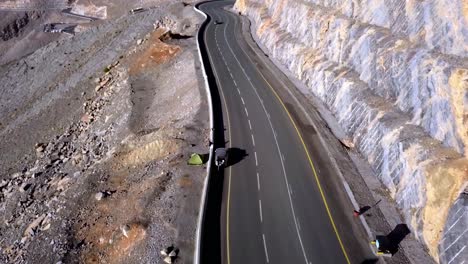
(282, 201)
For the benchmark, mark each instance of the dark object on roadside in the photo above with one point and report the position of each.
(137, 10)
(388, 245)
(170, 254)
(221, 156)
(364, 209)
(60, 28)
(218, 22)
(361, 211)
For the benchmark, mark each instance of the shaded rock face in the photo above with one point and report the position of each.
(395, 76)
(14, 28)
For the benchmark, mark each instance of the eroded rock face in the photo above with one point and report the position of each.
(395, 75)
(14, 27)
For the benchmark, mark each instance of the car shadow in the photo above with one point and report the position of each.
(391, 242)
(396, 236)
(235, 155)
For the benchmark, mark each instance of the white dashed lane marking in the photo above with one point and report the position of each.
(260, 208)
(258, 181)
(265, 246)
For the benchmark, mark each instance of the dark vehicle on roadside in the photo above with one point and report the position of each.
(221, 156)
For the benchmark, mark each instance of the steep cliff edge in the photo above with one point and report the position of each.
(395, 76)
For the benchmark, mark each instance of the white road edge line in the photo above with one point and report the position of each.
(253, 140)
(246, 112)
(277, 145)
(250, 125)
(242, 100)
(256, 161)
(266, 250)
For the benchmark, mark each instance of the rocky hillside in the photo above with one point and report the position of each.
(96, 129)
(395, 76)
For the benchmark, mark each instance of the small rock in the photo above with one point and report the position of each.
(30, 230)
(125, 230)
(46, 227)
(3, 183)
(166, 251)
(40, 147)
(97, 80)
(24, 187)
(15, 175)
(86, 118)
(101, 240)
(99, 196)
(168, 259)
(104, 82)
(139, 41)
(348, 143)
(173, 253)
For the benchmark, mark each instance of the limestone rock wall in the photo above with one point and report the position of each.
(395, 75)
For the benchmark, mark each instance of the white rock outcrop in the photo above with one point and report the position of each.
(395, 76)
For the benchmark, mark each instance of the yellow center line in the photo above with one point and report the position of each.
(308, 157)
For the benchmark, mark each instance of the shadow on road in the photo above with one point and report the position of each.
(211, 236)
(370, 261)
(235, 155)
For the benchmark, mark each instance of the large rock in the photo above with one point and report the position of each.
(394, 74)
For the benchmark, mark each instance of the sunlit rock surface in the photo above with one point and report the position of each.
(395, 75)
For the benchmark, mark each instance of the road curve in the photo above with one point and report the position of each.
(281, 200)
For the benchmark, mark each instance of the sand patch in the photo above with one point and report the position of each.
(156, 52)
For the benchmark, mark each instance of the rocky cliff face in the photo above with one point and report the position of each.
(395, 75)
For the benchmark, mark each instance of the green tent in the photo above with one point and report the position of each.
(195, 159)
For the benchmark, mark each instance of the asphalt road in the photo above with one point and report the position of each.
(282, 202)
